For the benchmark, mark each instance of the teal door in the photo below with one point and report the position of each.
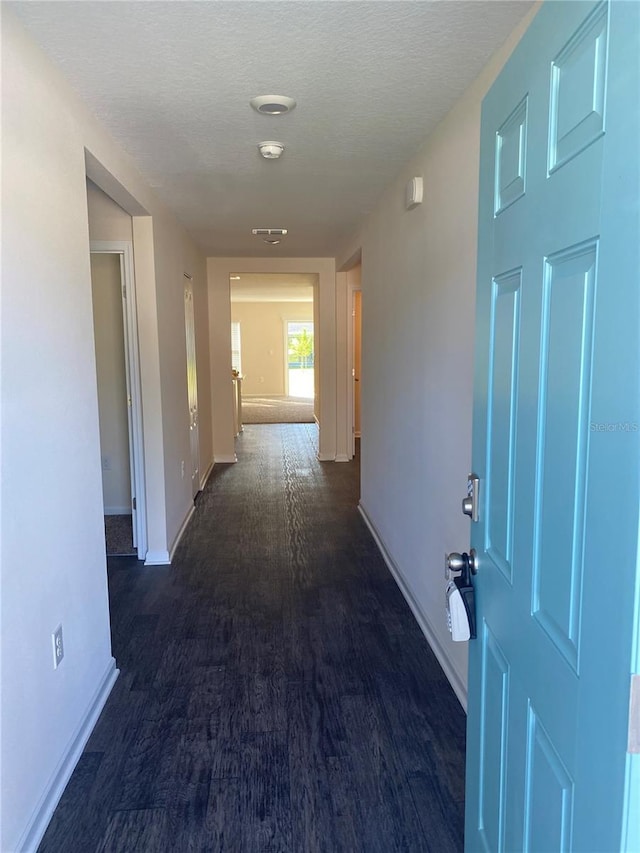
(556, 436)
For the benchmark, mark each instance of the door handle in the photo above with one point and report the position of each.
(462, 562)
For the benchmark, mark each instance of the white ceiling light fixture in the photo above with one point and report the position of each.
(271, 150)
(272, 105)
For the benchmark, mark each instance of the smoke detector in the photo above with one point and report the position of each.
(272, 105)
(271, 150)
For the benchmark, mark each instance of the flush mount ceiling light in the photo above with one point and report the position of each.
(272, 105)
(271, 150)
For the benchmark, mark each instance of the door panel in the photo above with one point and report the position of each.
(505, 337)
(561, 453)
(493, 745)
(549, 792)
(556, 415)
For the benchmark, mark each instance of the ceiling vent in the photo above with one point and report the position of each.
(272, 105)
(269, 232)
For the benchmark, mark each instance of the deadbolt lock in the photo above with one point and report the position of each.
(470, 503)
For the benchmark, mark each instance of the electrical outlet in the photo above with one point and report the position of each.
(182, 469)
(58, 647)
(106, 463)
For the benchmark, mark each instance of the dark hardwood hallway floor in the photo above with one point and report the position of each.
(276, 693)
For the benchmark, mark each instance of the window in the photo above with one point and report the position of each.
(300, 345)
(299, 359)
(236, 359)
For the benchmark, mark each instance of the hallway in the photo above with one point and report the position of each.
(275, 691)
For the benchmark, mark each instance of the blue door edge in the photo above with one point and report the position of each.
(630, 840)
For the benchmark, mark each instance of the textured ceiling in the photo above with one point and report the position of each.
(273, 287)
(172, 81)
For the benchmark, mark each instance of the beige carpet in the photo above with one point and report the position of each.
(118, 533)
(277, 410)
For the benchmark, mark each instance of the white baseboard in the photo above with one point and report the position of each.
(117, 510)
(454, 679)
(225, 459)
(326, 457)
(35, 829)
(157, 558)
(342, 457)
(180, 532)
(205, 479)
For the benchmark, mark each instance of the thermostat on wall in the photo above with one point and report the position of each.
(414, 192)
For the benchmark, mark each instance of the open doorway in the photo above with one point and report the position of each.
(119, 398)
(273, 347)
(192, 384)
(354, 356)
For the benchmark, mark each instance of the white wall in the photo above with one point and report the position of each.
(52, 559)
(106, 290)
(262, 336)
(418, 303)
(329, 413)
(107, 220)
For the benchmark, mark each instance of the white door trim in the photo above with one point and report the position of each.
(124, 249)
(352, 289)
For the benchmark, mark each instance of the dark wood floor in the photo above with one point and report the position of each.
(276, 693)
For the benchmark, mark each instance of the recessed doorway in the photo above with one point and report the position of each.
(119, 398)
(273, 347)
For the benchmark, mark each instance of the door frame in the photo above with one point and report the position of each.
(352, 289)
(124, 250)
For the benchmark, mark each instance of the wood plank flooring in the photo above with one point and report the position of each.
(276, 693)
